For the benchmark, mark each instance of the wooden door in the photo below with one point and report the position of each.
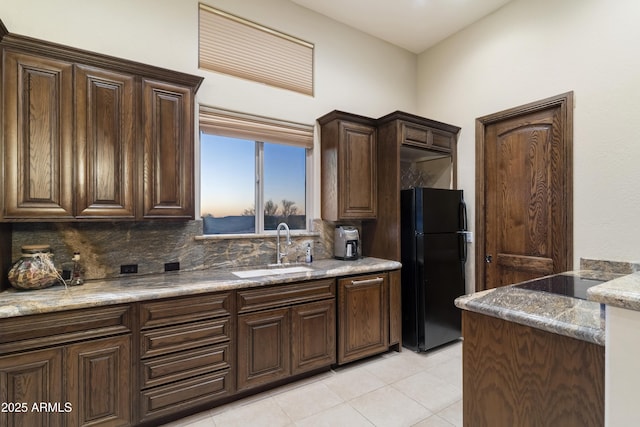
(38, 136)
(27, 379)
(264, 347)
(99, 382)
(524, 193)
(363, 310)
(105, 133)
(167, 115)
(313, 336)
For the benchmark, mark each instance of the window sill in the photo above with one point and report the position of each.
(300, 233)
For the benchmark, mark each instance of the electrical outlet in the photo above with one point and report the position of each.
(171, 266)
(468, 236)
(128, 268)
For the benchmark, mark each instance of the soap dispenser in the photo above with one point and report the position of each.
(308, 258)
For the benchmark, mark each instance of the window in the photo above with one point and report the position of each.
(251, 184)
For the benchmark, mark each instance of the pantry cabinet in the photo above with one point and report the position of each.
(348, 157)
(87, 136)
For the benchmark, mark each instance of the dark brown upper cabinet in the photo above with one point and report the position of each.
(349, 180)
(88, 136)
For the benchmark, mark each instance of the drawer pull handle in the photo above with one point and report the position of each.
(367, 281)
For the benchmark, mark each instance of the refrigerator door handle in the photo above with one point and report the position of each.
(462, 246)
(462, 216)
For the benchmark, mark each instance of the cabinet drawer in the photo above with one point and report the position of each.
(425, 137)
(183, 337)
(414, 134)
(441, 140)
(41, 330)
(282, 295)
(183, 365)
(180, 310)
(185, 394)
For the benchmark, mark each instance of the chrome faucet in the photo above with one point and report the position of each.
(280, 255)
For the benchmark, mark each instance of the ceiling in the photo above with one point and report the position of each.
(414, 25)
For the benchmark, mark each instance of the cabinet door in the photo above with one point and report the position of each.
(99, 382)
(363, 310)
(263, 347)
(105, 134)
(27, 379)
(357, 186)
(168, 150)
(38, 137)
(313, 336)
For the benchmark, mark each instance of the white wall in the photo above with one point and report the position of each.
(530, 50)
(621, 374)
(353, 71)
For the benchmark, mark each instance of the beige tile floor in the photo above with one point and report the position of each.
(393, 389)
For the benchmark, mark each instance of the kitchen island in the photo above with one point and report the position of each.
(144, 350)
(533, 358)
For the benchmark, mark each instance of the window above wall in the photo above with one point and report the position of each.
(255, 173)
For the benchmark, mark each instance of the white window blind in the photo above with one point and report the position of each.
(238, 47)
(244, 126)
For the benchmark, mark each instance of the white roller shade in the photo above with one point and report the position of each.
(256, 128)
(232, 45)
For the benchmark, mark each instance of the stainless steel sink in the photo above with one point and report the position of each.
(271, 271)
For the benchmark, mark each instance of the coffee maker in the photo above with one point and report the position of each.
(346, 242)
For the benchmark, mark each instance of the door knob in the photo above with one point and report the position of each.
(488, 259)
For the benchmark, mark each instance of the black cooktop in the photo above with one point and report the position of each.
(573, 286)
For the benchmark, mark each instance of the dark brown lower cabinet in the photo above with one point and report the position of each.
(263, 347)
(313, 336)
(363, 316)
(27, 378)
(82, 377)
(145, 363)
(99, 382)
(186, 354)
(515, 375)
(285, 330)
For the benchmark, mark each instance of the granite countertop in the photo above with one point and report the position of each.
(129, 289)
(622, 292)
(568, 316)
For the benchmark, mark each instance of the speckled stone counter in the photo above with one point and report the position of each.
(623, 292)
(572, 317)
(139, 288)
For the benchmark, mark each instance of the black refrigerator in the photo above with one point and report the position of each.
(433, 255)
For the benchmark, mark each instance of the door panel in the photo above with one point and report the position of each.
(38, 136)
(524, 193)
(105, 115)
